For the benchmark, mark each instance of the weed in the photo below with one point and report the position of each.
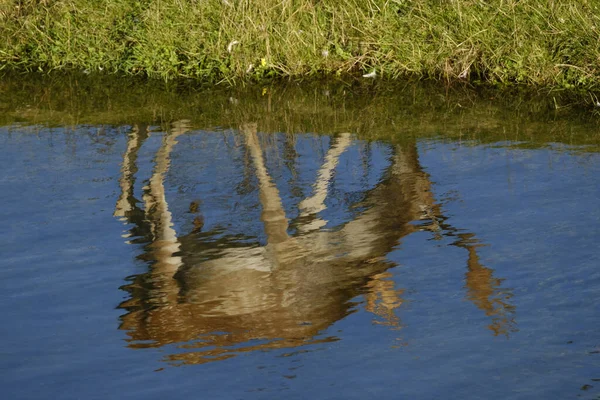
(502, 42)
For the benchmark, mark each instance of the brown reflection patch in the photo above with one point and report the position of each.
(227, 297)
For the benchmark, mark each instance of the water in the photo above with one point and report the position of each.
(290, 244)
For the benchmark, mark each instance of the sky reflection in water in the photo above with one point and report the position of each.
(267, 264)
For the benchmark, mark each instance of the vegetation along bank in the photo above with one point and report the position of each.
(546, 43)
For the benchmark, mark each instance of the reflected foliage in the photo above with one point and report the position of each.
(372, 110)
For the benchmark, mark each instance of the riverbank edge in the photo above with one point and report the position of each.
(121, 94)
(557, 99)
(547, 46)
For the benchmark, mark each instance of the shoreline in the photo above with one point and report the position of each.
(498, 43)
(371, 111)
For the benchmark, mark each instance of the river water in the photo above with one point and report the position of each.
(277, 242)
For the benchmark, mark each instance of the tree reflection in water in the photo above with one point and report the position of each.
(222, 297)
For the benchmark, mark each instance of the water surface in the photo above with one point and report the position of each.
(297, 243)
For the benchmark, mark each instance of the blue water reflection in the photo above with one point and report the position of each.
(266, 265)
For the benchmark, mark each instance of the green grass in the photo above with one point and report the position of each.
(546, 43)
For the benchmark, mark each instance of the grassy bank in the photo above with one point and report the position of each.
(548, 43)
